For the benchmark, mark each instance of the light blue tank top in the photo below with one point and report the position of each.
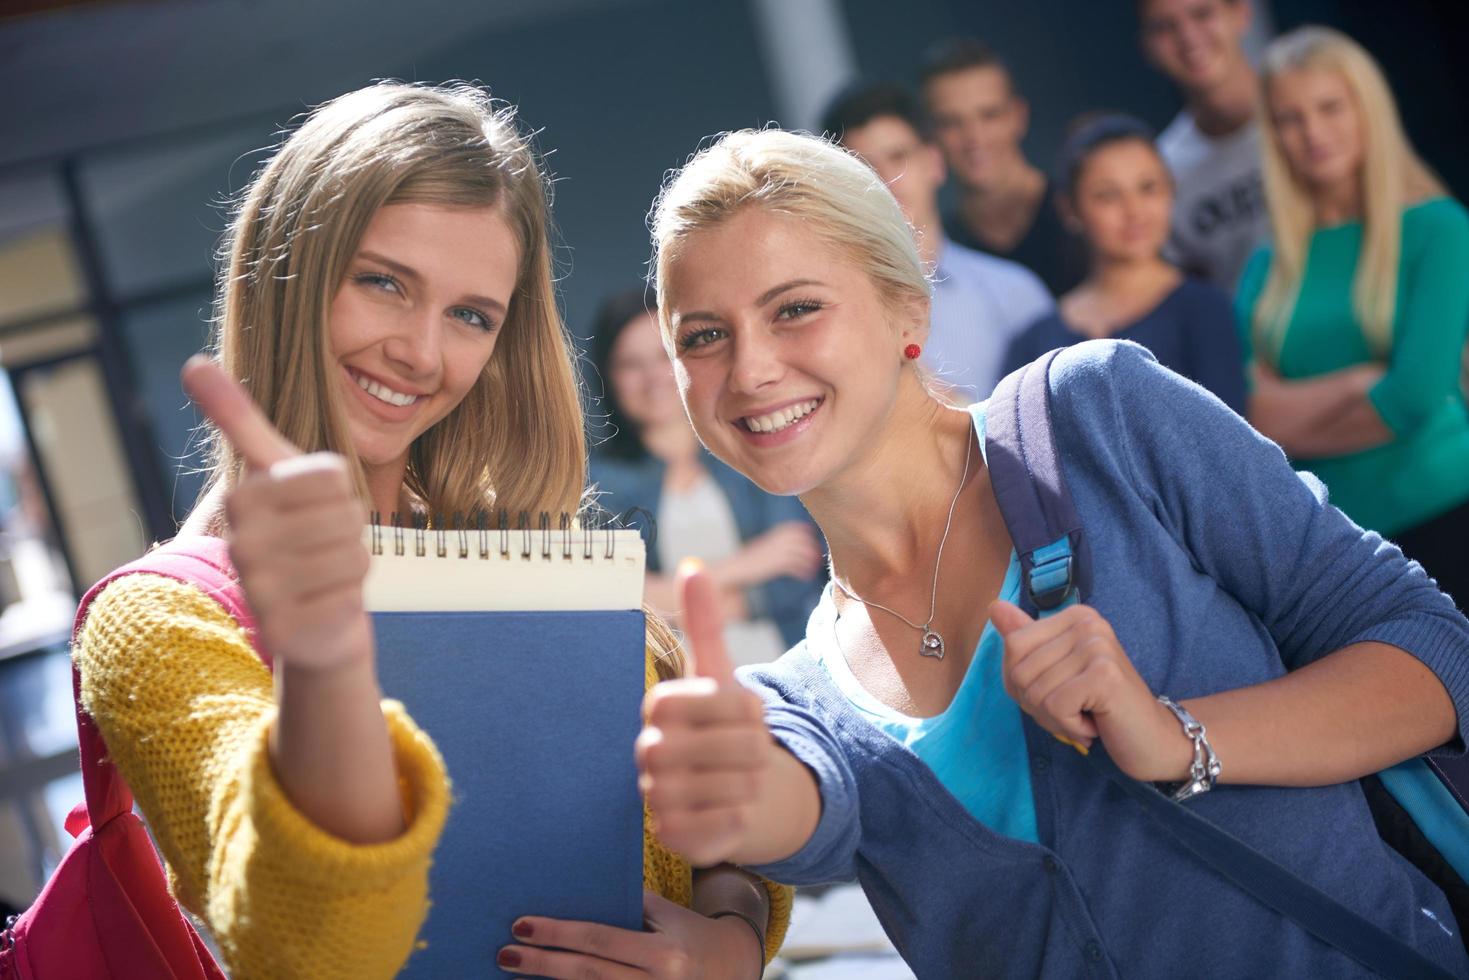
(976, 747)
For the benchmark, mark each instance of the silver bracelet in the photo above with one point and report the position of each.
(1204, 772)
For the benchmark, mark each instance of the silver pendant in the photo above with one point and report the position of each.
(932, 645)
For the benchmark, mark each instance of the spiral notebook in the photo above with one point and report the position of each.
(520, 652)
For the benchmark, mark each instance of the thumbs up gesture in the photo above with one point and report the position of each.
(705, 755)
(1070, 673)
(295, 528)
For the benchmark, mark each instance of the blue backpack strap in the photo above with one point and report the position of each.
(1432, 800)
(1025, 471)
(1274, 885)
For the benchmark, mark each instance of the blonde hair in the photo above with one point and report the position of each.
(515, 441)
(828, 188)
(1392, 176)
(669, 662)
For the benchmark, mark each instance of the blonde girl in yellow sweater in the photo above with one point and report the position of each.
(387, 338)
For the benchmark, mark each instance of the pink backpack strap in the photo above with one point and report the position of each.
(197, 560)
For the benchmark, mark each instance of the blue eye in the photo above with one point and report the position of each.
(699, 338)
(473, 317)
(378, 280)
(799, 308)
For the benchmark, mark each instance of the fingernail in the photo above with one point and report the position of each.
(1074, 744)
(523, 929)
(689, 566)
(508, 958)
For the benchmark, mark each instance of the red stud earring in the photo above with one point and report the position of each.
(912, 351)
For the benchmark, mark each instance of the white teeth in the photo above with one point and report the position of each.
(775, 421)
(383, 393)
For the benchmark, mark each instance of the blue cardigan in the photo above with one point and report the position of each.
(624, 483)
(1219, 567)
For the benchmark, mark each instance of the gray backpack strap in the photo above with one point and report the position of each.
(1025, 470)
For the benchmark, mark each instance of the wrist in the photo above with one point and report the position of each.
(350, 652)
(1361, 381)
(1175, 749)
(1204, 767)
(729, 573)
(349, 678)
(736, 605)
(742, 941)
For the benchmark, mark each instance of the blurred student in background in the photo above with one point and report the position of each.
(1213, 145)
(763, 551)
(1005, 201)
(1354, 321)
(1116, 193)
(980, 302)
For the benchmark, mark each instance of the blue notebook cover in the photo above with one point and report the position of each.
(535, 714)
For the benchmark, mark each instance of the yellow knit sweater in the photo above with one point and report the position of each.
(185, 706)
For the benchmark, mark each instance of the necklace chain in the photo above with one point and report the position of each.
(932, 644)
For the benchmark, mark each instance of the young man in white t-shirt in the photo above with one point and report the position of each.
(1213, 146)
(980, 302)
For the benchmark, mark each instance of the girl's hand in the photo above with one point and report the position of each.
(1262, 373)
(680, 943)
(790, 548)
(1358, 379)
(1070, 674)
(295, 532)
(704, 756)
(296, 543)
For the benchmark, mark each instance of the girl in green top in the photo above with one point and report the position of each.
(1354, 321)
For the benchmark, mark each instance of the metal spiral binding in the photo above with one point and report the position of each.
(649, 523)
(484, 537)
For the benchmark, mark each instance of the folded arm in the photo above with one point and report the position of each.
(1326, 415)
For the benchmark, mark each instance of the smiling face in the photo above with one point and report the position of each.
(787, 357)
(414, 323)
(1318, 125)
(1198, 44)
(978, 122)
(639, 376)
(1123, 200)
